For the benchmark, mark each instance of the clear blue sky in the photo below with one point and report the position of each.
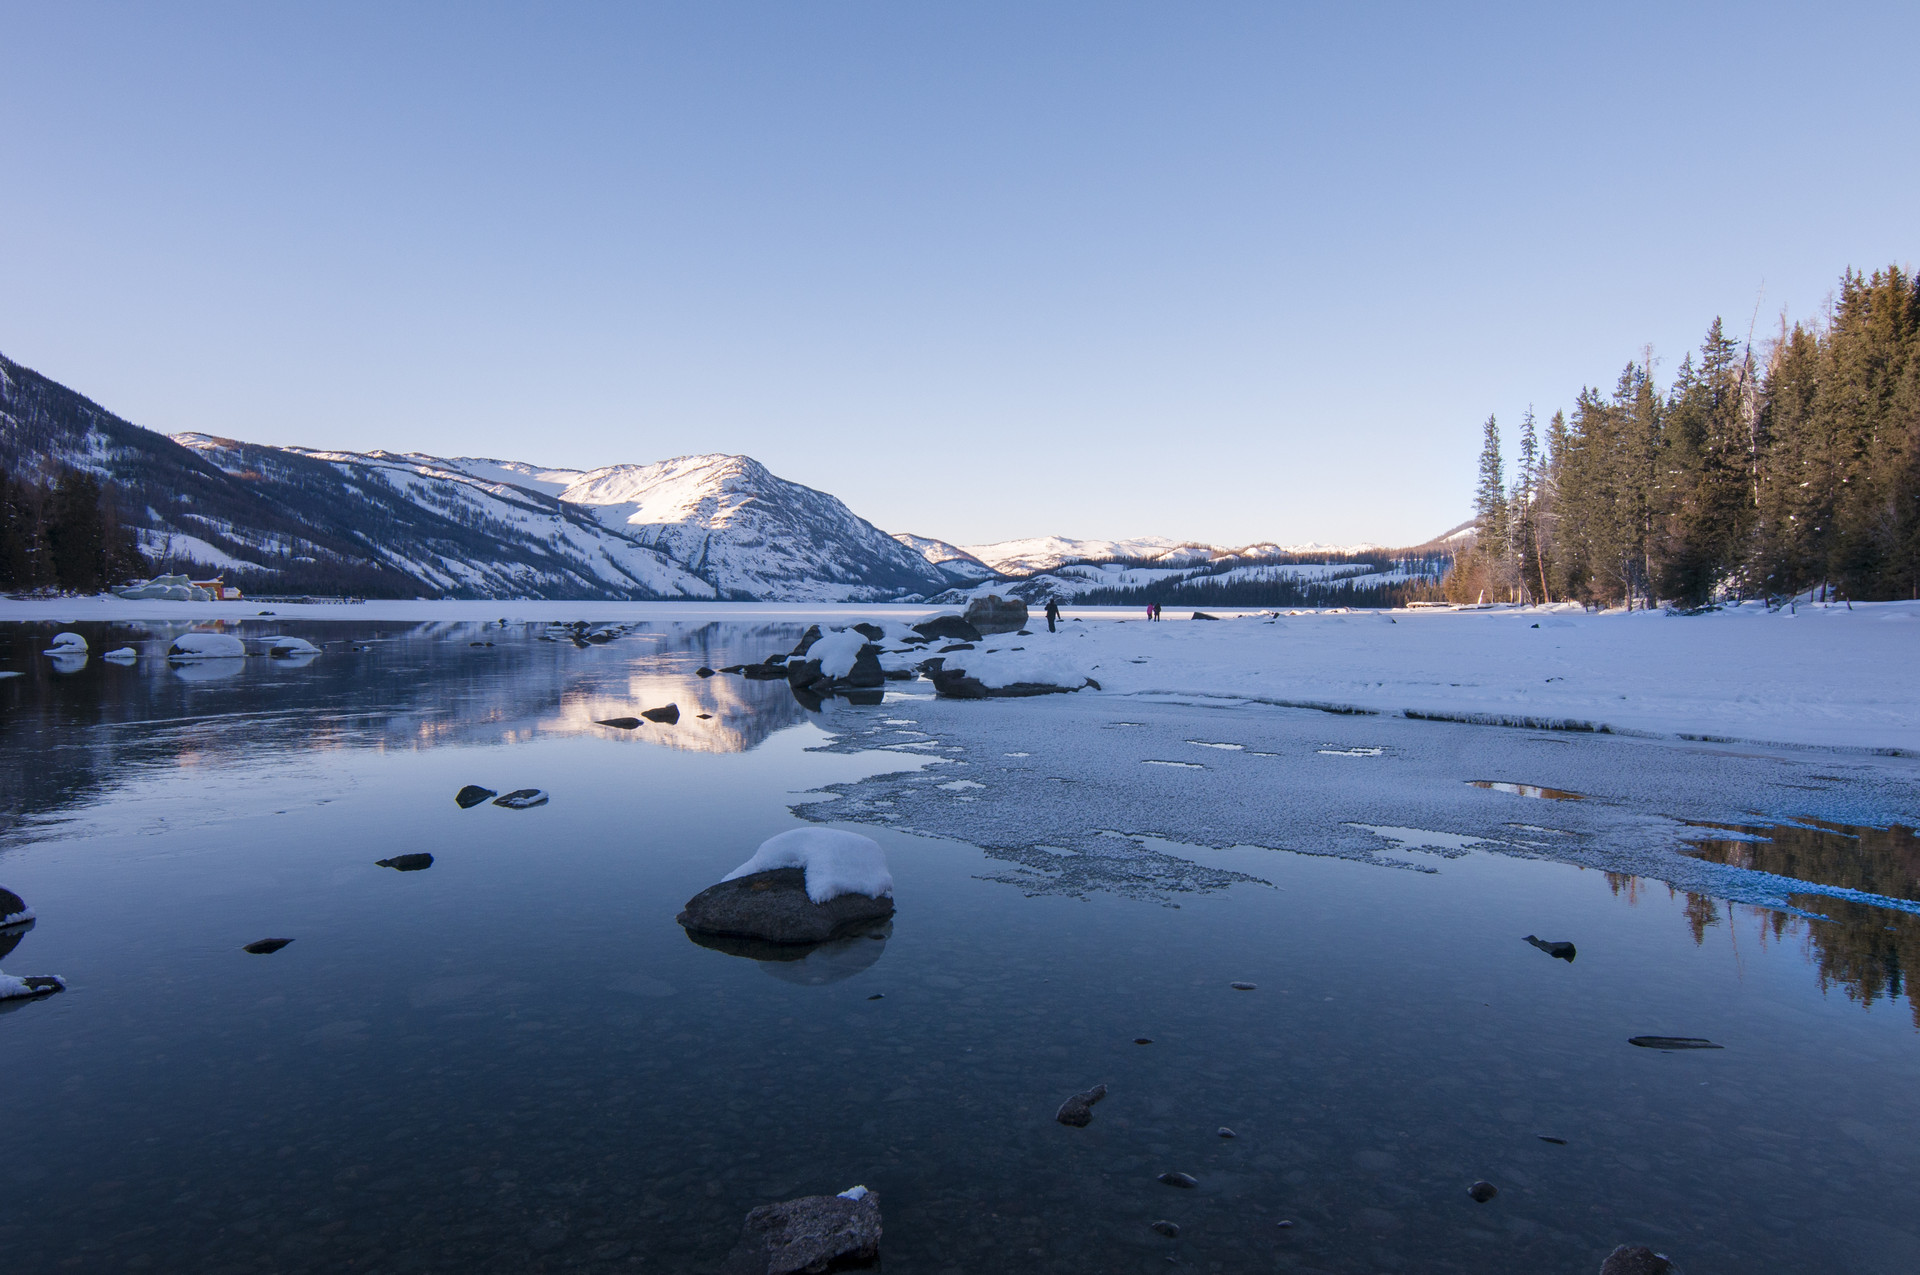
(1222, 271)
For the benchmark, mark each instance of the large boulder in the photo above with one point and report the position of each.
(807, 640)
(773, 907)
(810, 1236)
(995, 614)
(949, 626)
(836, 664)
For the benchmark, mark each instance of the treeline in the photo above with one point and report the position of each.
(1414, 571)
(1747, 478)
(65, 533)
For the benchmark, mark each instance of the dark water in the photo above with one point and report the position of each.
(515, 1061)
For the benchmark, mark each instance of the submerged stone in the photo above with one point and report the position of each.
(1078, 1110)
(621, 723)
(1636, 1259)
(810, 1235)
(265, 947)
(1185, 1181)
(1557, 948)
(472, 795)
(406, 862)
(1672, 1042)
(1481, 1192)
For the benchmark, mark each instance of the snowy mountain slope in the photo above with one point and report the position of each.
(955, 563)
(751, 532)
(1044, 553)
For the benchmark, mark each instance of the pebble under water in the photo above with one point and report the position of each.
(508, 1057)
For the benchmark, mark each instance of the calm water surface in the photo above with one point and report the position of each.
(516, 1061)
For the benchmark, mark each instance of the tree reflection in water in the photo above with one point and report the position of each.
(1855, 946)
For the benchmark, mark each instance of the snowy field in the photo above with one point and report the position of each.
(1820, 676)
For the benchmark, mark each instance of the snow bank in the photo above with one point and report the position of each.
(837, 652)
(206, 646)
(1048, 663)
(67, 644)
(837, 862)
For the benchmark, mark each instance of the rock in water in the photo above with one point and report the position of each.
(813, 1234)
(666, 716)
(522, 799)
(703, 671)
(807, 640)
(1481, 1192)
(1202, 615)
(1169, 1229)
(1078, 1110)
(994, 614)
(405, 862)
(265, 947)
(1243, 987)
(1672, 1042)
(16, 989)
(472, 795)
(1564, 951)
(773, 907)
(948, 626)
(621, 723)
(1185, 1181)
(1635, 1259)
(13, 908)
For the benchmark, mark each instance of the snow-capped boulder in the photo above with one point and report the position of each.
(522, 799)
(206, 646)
(286, 648)
(1009, 672)
(33, 985)
(807, 885)
(814, 1233)
(13, 909)
(842, 661)
(995, 614)
(67, 644)
(122, 655)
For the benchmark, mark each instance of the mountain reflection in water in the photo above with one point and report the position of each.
(378, 686)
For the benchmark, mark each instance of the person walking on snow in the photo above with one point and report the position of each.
(1053, 614)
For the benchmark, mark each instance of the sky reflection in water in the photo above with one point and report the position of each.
(514, 1060)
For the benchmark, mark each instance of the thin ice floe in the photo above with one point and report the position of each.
(836, 862)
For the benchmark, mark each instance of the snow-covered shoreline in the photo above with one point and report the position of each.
(1818, 676)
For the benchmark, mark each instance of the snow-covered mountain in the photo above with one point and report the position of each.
(1044, 553)
(955, 563)
(295, 519)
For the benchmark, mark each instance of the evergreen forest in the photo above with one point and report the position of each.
(1756, 474)
(64, 534)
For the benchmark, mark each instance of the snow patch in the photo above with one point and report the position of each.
(836, 862)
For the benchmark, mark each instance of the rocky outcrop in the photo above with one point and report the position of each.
(810, 1236)
(995, 614)
(773, 907)
(955, 684)
(951, 627)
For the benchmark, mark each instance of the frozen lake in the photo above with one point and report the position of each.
(516, 1061)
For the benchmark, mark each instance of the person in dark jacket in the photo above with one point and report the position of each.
(1053, 614)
